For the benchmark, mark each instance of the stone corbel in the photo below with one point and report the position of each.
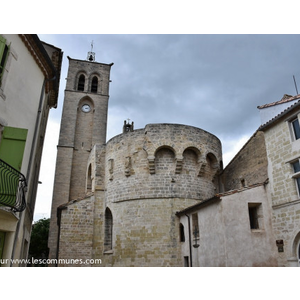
(202, 168)
(151, 162)
(179, 161)
(111, 168)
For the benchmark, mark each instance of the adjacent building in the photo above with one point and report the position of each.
(282, 139)
(29, 84)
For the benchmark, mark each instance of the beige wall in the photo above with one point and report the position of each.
(226, 239)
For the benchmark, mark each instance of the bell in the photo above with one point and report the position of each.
(91, 58)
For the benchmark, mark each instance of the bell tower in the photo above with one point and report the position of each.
(83, 124)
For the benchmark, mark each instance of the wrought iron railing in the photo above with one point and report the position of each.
(13, 187)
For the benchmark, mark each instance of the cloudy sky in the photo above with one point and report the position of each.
(214, 82)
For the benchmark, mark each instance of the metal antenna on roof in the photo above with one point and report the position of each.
(295, 85)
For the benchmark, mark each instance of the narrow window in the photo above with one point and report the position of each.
(255, 215)
(81, 83)
(182, 237)
(296, 128)
(94, 87)
(186, 261)
(89, 179)
(296, 168)
(108, 230)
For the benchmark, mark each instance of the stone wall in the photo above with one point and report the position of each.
(163, 160)
(286, 224)
(76, 233)
(145, 233)
(249, 166)
(151, 174)
(79, 132)
(282, 151)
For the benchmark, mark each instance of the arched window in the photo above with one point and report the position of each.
(94, 87)
(181, 228)
(108, 226)
(81, 81)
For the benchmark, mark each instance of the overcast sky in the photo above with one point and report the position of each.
(214, 82)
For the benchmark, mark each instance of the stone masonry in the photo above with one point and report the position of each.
(79, 131)
(149, 175)
(282, 151)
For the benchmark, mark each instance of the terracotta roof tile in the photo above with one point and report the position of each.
(285, 111)
(285, 99)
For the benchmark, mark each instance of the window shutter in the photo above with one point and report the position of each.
(12, 146)
(2, 46)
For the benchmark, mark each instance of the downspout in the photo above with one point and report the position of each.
(30, 160)
(190, 241)
(59, 209)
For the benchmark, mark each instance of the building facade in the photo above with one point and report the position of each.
(29, 82)
(282, 139)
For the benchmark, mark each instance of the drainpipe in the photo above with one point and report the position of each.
(190, 241)
(59, 209)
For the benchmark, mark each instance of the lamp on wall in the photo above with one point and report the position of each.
(196, 237)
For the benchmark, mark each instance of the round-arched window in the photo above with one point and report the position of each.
(94, 87)
(81, 81)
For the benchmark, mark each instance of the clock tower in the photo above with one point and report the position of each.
(83, 124)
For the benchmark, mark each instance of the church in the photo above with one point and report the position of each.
(159, 196)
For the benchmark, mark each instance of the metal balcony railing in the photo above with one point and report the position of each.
(13, 187)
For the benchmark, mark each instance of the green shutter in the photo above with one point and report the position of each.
(11, 152)
(2, 46)
(12, 146)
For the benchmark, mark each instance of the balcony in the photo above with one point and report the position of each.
(13, 187)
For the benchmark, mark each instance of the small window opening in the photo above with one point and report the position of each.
(94, 87)
(243, 182)
(81, 83)
(186, 261)
(182, 237)
(255, 215)
(89, 179)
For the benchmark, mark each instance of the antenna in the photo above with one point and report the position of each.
(295, 84)
(91, 54)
